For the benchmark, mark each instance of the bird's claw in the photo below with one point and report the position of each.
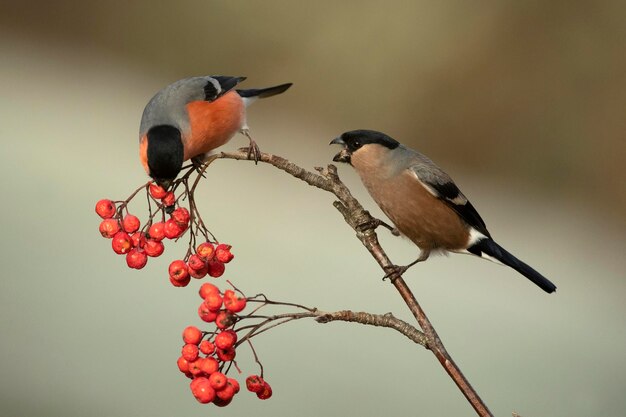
(376, 223)
(395, 270)
(399, 270)
(253, 148)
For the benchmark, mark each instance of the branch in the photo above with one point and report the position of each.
(384, 320)
(365, 227)
(379, 320)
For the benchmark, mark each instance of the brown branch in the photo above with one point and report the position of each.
(384, 320)
(379, 320)
(364, 225)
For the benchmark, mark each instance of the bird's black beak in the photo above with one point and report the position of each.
(165, 183)
(343, 155)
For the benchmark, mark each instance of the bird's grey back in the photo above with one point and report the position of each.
(421, 165)
(167, 107)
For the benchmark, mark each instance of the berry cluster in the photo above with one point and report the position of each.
(138, 243)
(208, 260)
(206, 356)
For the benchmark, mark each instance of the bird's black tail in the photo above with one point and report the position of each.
(264, 92)
(492, 249)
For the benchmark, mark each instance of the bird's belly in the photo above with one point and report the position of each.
(420, 216)
(212, 124)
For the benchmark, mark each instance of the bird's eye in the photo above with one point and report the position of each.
(357, 144)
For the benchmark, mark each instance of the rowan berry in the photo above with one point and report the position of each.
(216, 269)
(192, 335)
(109, 227)
(136, 258)
(222, 253)
(105, 208)
(130, 223)
(201, 389)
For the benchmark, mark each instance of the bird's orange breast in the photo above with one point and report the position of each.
(143, 153)
(212, 124)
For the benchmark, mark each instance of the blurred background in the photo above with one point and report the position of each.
(521, 102)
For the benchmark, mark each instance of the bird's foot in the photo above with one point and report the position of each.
(397, 271)
(374, 224)
(253, 148)
(198, 163)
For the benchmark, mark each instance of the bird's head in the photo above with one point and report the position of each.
(165, 154)
(357, 142)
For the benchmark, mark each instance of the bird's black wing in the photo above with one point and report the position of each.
(441, 186)
(218, 85)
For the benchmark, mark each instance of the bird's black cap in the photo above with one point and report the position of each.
(354, 139)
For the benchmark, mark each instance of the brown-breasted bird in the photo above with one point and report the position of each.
(423, 202)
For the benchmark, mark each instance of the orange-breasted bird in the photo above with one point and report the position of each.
(423, 202)
(191, 117)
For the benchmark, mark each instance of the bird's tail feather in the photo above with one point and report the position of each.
(264, 92)
(492, 249)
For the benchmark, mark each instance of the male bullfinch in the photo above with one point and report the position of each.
(191, 117)
(423, 202)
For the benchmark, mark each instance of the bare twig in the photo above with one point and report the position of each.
(364, 225)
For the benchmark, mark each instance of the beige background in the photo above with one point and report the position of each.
(521, 102)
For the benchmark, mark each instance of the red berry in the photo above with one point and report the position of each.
(156, 191)
(109, 227)
(225, 339)
(206, 314)
(121, 243)
(169, 199)
(213, 301)
(157, 231)
(192, 335)
(254, 383)
(136, 258)
(234, 303)
(196, 262)
(130, 223)
(226, 393)
(195, 367)
(190, 352)
(206, 250)
(183, 365)
(105, 208)
(222, 253)
(209, 365)
(198, 273)
(181, 216)
(207, 347)
(219, 402)
(181, 283)
(153, 248)
(226, 355)
(217, 380)
(173, 230)
(207, 288)
(265, 393)
(201, 389)
(138, 239)
(178, 270)
(216, 269)
(235, 384)
(224, 320)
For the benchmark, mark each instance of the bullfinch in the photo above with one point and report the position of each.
(423, 202)
(191, 117)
